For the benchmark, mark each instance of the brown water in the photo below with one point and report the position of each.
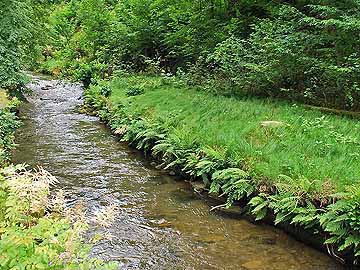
(162, 224)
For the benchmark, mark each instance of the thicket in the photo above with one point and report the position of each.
(303, 50)
(19, 34)
(8, 124)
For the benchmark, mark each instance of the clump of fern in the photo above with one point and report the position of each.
(233, 182)
(342, 222)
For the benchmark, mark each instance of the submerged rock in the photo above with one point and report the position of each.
(162, 223)
(253, 265)
(46, 87)
(153, 164)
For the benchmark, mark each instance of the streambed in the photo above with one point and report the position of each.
(161, 224)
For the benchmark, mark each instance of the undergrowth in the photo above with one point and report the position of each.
(37, 231)
(8, 124)
(273, 158)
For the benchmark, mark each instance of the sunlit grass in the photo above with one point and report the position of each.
(309, 144)
(4, 101)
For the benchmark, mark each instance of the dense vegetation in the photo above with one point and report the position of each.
(304, 50)
(272, 156)
(37, 230)
(15, 40)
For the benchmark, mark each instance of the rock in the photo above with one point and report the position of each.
(272, 124)
(269, 241)
(162, 223)
(46, 87)
(212, 239)
(121, 130)
(172, 173)
(153, 164)
(198, 186)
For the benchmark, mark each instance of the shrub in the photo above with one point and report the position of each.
(37, 231)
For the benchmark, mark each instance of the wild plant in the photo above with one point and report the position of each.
(8, 124)
(232, 182)
(37, 230)
(342, 222)
(291, 201)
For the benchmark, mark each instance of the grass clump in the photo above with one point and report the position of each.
(302, 166)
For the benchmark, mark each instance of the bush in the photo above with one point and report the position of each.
(37, 230)
(302, 53)
(8, 124)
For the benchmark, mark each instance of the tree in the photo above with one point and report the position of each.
(15, 35)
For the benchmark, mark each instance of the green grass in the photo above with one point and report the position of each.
(320, 147)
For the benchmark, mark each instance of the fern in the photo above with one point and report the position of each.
(284, 206)
(306, 217)
(234, 183)
(342, 223)
(259, 206)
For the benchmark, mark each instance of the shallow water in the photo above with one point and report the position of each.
(161, 224)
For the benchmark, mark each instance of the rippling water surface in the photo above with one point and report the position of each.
(162, 224)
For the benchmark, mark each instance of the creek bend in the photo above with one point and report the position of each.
(161, 223)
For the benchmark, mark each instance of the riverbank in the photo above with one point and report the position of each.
(275, 159)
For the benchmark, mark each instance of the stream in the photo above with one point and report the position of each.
(161, 223)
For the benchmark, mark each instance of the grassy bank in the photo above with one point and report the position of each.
(301, 165)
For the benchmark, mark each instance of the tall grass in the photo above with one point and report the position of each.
(308, 144)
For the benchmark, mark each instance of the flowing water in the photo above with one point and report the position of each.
(161, 223)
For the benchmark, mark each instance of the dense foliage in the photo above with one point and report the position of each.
(14, 23)
(22, 38)
(8, 125)
(303, 50)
